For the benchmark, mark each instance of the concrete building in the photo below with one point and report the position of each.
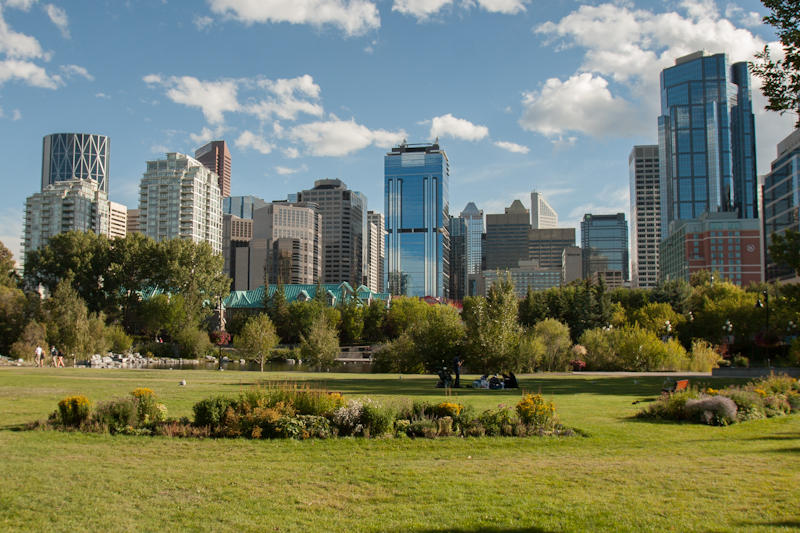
(645, 196)
(706, 140)
(473, 217)
(376, 254)
(717, 242)
(604, 239)
(132, 222)
(216, 158)
(505, 243)
(571, 265)
(72, 205)
(546, 246)
(344, 228)
(286, 245)
(781, 204)
(236, 236)
(416, 178)
(117, 220)
(75, 156)
(179, 198)
(543, 216)
(525, 274)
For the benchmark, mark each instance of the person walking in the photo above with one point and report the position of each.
(457, 370)
(39, 357)
(60, 362)
(53, 356)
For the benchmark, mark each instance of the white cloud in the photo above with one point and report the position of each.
(421, 9)
(291, 97)
(18, 45)
(207, 134)
(102, 96)
(24, 5)
(354, 17)
(214, 98)
(76, 70)
(161, 149)
(507, 7)
(291, 152)
(512, 147)
(16, 115)
(202, 23)
(30, 73)
(248, 139)
(11, 231)
(581, 103)
(457, 128)
(337, 137)
(58, 17)
(285, 171)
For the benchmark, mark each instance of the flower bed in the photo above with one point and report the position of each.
(300, 412)
(762, 398)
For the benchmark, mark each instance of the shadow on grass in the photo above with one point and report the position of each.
(795, 524)
(777, 436)
(483, 529)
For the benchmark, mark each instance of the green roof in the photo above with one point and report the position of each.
(254, 299)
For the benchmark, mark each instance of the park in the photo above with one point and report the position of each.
(617, 473)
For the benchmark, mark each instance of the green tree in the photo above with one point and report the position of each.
(403, 313)
(257, 339)
(399, 355)
(351, 326)
(654, 317)
(12, 316)
(439, 338)
(301, 317)
(781, 78)
(320, 346)
(374, 317)
(8, 275)
(674, 292)
(33, 334)
(785, 249)
(67, 320)
(132, 262)
(278, 311)
(556, 340)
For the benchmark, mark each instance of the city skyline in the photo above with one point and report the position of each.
(319, 109)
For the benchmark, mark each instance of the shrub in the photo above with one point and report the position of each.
(304, 399)
(211, 411)
(445, 409)
(148, 409)
(317, 427)
(74, 410)
(703, 357)
(399, 355)
(748, 403)
(776, 383)
(675, 357)
(712, 410)
(193, 343)
(793, 399)
(401, 426)
(118, 340)
(776, 405)
(117, 414)
(347, 419)
(672, 407)
(181, 428)
(599, 353)
(376, 419)
(556, 339)
(534, 411)
(497, 422)
(423, 428)
(740, 361)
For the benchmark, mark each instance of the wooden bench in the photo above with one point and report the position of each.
(680, 385)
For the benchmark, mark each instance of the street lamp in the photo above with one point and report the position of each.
(765, 305)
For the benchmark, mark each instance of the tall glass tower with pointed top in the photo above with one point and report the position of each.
(417, 213)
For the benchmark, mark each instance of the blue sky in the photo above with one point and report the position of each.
(522, 94)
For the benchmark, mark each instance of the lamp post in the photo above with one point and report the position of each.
(667, 330)
(727, 329)
(765, 338)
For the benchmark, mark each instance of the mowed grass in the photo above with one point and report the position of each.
(626, 475)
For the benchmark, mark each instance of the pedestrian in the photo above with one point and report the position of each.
(457, 370)
(60, 362)
(53, 356)
(39, 357)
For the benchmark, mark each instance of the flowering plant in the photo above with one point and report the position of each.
(577, 365)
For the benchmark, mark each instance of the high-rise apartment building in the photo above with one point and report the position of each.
(416, 181)
(179, 198)
(543, 216)
(75, 156)
(72, 205)
(344, 227)
(506, 241)
(645, 194)
(781, 203)
(706, 140)
(473, 217)
(286, 245)
(604, 239)
(376, 255)
(216, 158)
(117, 220)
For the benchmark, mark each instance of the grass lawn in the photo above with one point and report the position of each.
(626, 475)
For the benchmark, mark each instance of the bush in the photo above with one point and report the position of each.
(74, 410)
(776, 383)
(712, 410)
(703, 357)
(534, 411)
(211, 411)
(675, 357)
(556, 339)
(498, 422)
(398, 356)
(193, 343)
(445, 409)
(376, 420)
(599, 353)
(748, 403)
(301, 397)
(347, 419)
(423, 428)
(740, 361)
(118, 340)
(672, 407)
(117, 414)
(148, 410)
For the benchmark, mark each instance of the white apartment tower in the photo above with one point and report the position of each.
(180, 198)
(645, 233)
(376, 251)
(543, 216)
(117, 220)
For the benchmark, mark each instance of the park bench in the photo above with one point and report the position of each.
(678, 386)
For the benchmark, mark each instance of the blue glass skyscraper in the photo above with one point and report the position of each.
(706, 140)
(417, 213)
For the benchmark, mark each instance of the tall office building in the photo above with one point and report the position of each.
(645, 194)
(706, 140)
(473, 217)
(216, 158)
(179, 198)
(543, 216)
(286, 245)
(546, 246)
(117, 220)
(416, 181)
(506, 241)
(458, 257)
(242, 206)
(376, 255)
(781, 201)
(344, 226)
(72, 205)
(604, 239)
(71, 156)
(237, 233)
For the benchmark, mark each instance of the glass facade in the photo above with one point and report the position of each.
(706, 140)
(474, 220)
(604, 239)
(71, 156)
(417, 215)
(242, 206)
(781, 199)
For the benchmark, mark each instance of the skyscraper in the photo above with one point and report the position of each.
(604, 239)
(506, 240)
(546, 246)
(473, 217)
(179, 198)
(416, 180)
(543, 216)
(782, 203)
(70, 156)
(216, 158)
(376, 255)
(117, 220)
(344, 226)
(706, 140)
(458, 257)
(643, 170)
(242, 206)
